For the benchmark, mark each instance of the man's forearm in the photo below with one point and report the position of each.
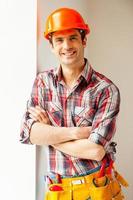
(43, 134)
(82, 148)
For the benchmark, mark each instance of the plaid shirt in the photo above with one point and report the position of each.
(93, 101)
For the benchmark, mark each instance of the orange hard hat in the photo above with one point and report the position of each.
(63, 19)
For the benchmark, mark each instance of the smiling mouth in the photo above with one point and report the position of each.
(69, 54)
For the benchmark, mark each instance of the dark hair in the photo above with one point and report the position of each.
(81, 31)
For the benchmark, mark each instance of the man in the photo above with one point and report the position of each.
(72, 108)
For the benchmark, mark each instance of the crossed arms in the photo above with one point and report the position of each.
(70, 140)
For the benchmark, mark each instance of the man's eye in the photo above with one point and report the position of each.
(59, 40)
(73, 38)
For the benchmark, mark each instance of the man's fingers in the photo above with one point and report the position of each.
(36, 114)
(32, 117)
(42, 110)
(39, 114)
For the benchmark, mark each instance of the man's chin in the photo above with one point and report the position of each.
(68, 61)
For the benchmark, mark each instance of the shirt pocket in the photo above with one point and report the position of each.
(83, 116)
(54, 112)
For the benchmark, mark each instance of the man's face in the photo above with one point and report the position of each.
(68, 47)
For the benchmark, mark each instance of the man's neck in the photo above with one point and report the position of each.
(70, 74)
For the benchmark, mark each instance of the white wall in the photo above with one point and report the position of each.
(17, 71)
(110, 47)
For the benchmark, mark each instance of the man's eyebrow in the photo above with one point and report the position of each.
(74, 35)
(58, 37)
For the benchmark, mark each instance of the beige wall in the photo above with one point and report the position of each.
(110, 51)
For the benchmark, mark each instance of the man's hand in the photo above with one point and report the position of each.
(55, 135)
(82, 132)
(39, 114)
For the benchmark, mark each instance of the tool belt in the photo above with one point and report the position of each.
(104, 184)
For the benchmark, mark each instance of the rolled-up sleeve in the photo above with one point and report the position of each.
(36, 98)
(104, 123)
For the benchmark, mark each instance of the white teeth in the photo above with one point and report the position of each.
(68, 54)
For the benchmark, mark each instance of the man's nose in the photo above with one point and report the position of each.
(67, 44)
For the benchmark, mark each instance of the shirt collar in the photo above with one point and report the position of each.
(86, 73)
(58, 73)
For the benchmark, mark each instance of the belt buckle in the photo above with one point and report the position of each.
(78, 182)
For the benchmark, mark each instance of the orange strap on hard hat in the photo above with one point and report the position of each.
(64, 19)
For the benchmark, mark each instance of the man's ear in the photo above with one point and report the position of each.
(84, 41)
(51, 47)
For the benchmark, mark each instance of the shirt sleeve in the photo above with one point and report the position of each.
(36, 98)
(104, 123)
